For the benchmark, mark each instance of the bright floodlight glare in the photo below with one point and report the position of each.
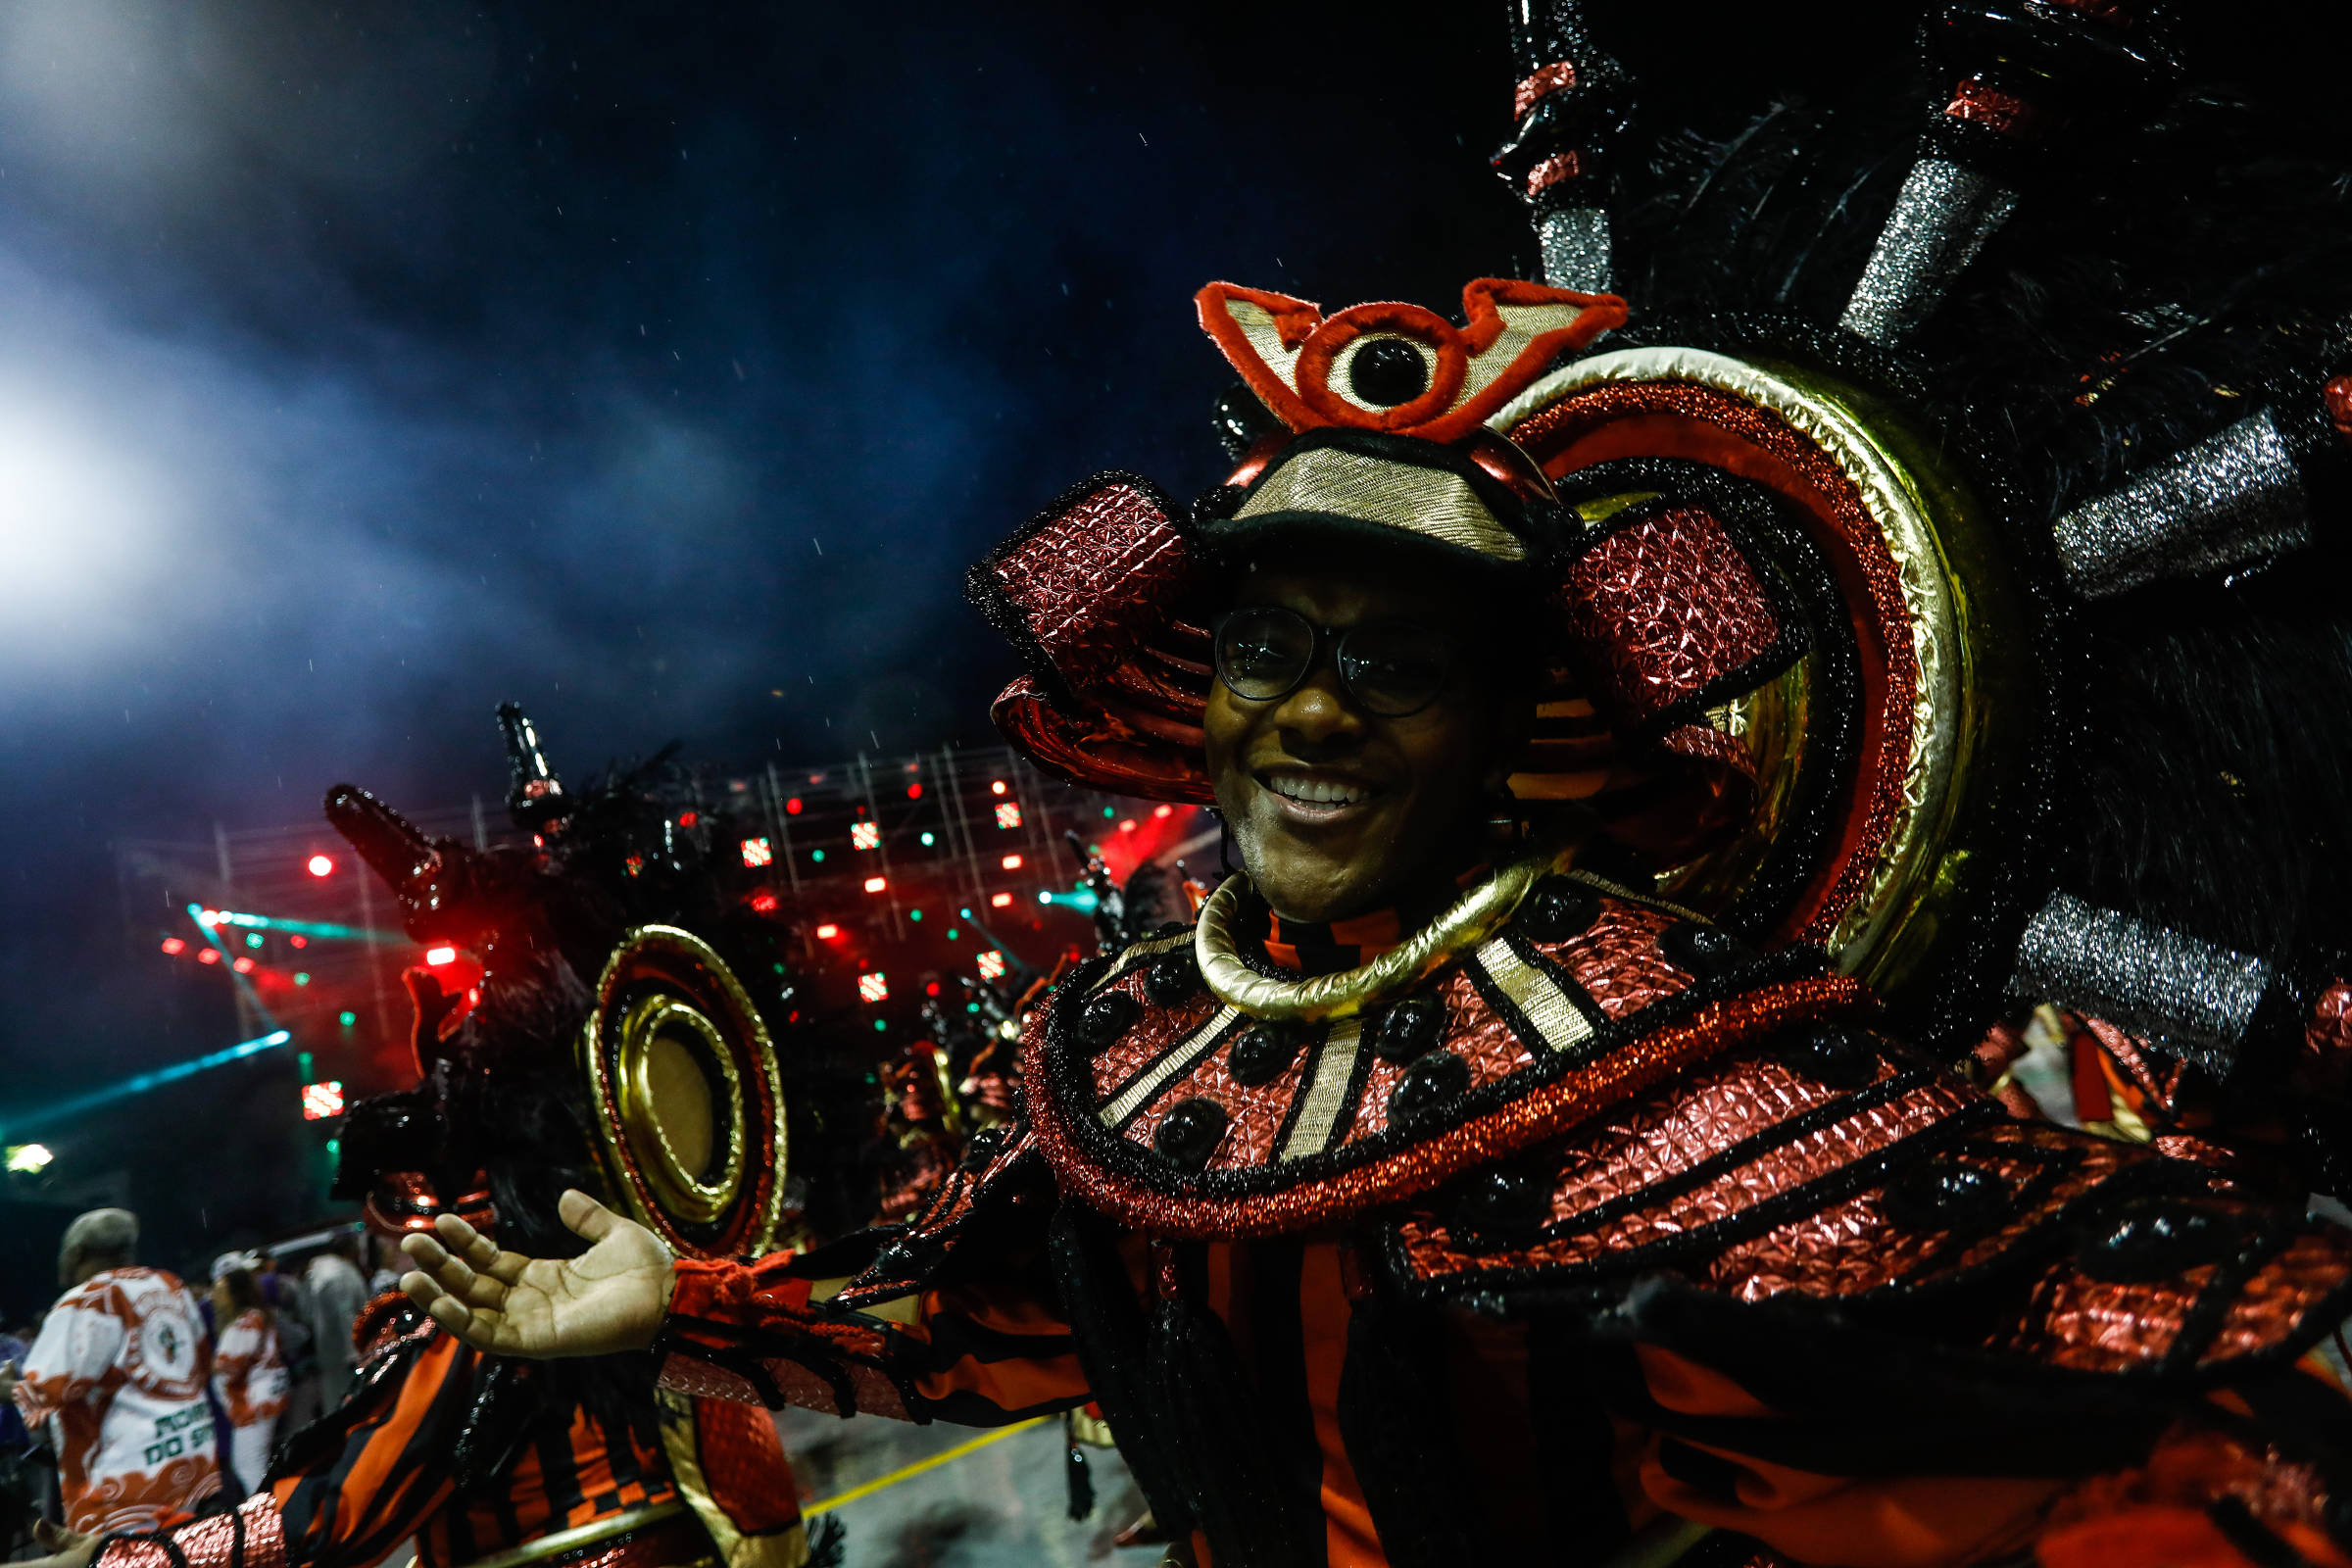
(323, 865)
(440, 955)
(82, 531)
(25, 1158)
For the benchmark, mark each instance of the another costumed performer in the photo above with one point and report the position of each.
(486, 1461)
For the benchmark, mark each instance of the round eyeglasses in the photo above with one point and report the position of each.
(1392, 669)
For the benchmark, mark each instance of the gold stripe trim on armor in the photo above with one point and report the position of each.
(1155, 1078)
(1136, 953)
(1430, 501)
(587, 1534)
(1323, 1096)
(779, 1548)
(1559, 1023)
(1468, 921)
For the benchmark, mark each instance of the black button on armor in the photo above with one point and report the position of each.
(1427, 1086)
(1173, 977)
(984, 1147)
(1833, 1054)
(2157, 1238)
(1409, 1028)
(1504, 1203)
(1558, 909)
(1388, 372)
(1943, 1194)
(1190, 1133)
(1704, 950)
(1103, 1020)
(1261, 1053)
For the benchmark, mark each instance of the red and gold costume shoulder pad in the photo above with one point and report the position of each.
(1175, 1113)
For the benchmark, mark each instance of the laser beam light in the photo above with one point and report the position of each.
(140, 1083)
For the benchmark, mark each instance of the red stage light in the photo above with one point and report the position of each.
(931, 990)
(687, 818)
(175, 946)
(300, 942)
(827, 932)
(792, 808)
(209, 956)
(1162, 811)
(915, 792)
(242, 965)
(323, 865)
(440, 955)
(1127, 825)
(763, 902)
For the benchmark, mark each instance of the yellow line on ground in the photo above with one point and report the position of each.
(919, 1466)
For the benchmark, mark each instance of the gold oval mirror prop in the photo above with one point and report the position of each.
(689, 1104)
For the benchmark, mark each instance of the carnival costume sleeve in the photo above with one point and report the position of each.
(987, 1348)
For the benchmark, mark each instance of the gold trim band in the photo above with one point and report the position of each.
(1468, 921)
(587, 1534)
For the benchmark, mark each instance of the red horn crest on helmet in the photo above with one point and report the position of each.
(1400, 368)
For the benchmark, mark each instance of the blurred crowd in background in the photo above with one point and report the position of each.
(139, 1397)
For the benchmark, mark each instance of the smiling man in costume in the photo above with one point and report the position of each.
(1441, 1198)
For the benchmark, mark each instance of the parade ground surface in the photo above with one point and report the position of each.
(943, 1496)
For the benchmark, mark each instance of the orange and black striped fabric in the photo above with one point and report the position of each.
(395, 1475)
(383, 1468)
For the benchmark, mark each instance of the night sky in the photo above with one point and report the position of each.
(363, 364)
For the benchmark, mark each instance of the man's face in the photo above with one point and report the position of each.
(1339, 810)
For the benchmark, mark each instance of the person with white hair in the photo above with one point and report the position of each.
(121, 1366)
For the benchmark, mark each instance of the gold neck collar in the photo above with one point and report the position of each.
(1469, 920)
